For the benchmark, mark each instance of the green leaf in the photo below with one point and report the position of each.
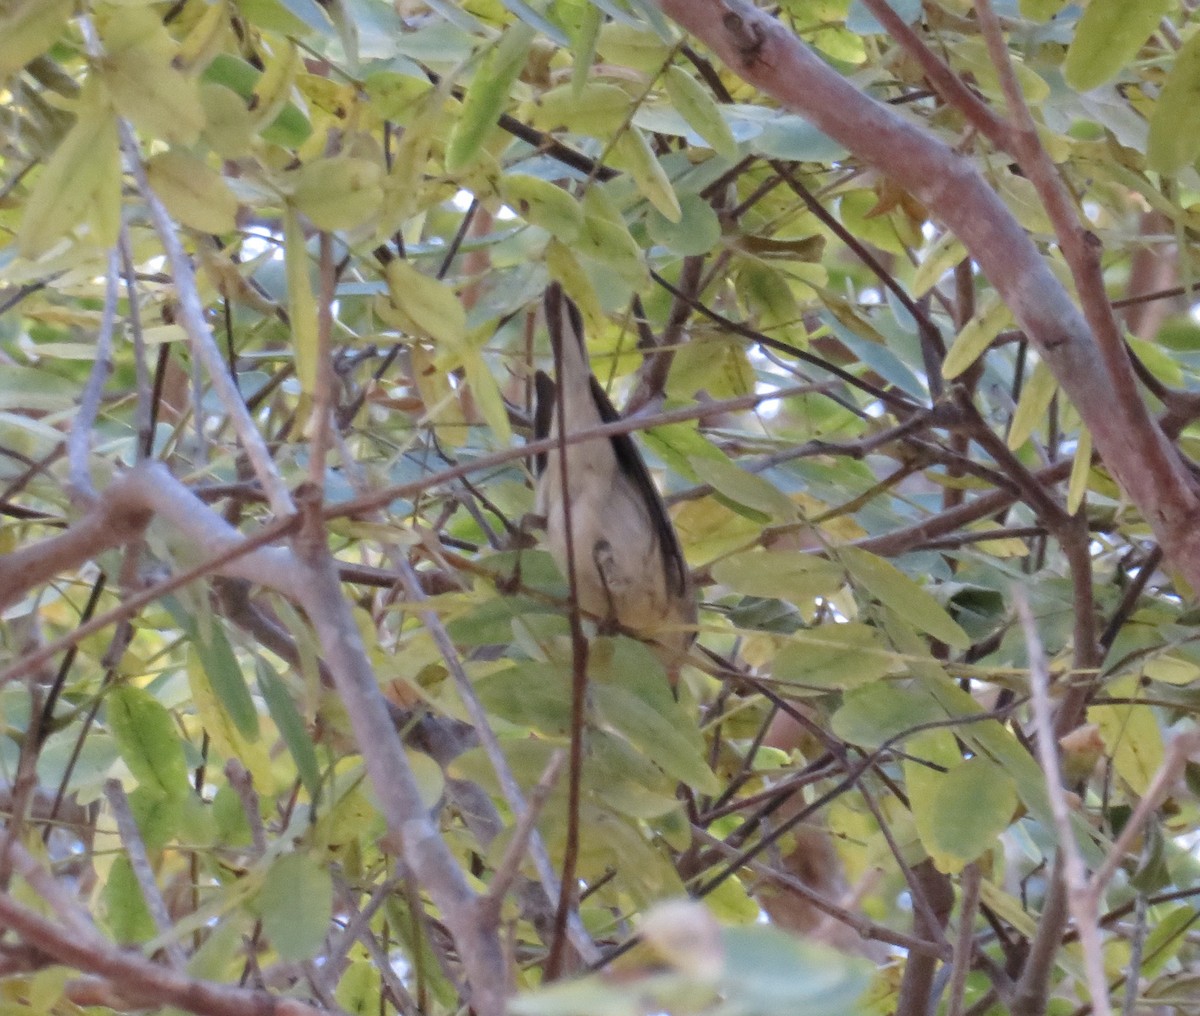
(960, 813)
(607, 239)
(291, 727)
(296, 904)
(871, 716)
(487, 96)
(771, 972)
(148, 740)
(743, 490)
(903, 596)
(679, 755)
(697, 231)
(1166, 937)
(787, 575)
(695, 104)
(1174, 140)
(125, 911)
(1108, 37)
(532, 695)
(288, 125)
(228, 740)
(223, 670)
(834, 656)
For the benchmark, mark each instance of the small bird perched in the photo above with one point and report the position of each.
(629, 567)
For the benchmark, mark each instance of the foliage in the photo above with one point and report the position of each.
(868, 462)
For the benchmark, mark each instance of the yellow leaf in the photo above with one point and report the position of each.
(194, 193)
(424, 306)
(976, 335)
(1032, 406)
(338, 193)
(302, 304)
(74, 177)
(1131, 733)
(632, 152)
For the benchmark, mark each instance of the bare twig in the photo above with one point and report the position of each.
(243, 784)
(425, 852)
(760, 49)
(79, 440)
(1080, 899)
(139, 861)
(509, 866)
(964, 940)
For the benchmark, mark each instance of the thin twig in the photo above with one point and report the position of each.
(143, 872)
(79, 440)
(510, 864)
(1080, 899)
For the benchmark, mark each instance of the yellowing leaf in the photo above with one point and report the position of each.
(302, 304)
(904, 597)
(1131, 733)
(75, 178)
(543, 204)
(27, 29)
(424, 305)
(632, 153)
(1032, 406)
(789, 575)
(695, 104)
(1081, 469)
(976, 335)
(194, 193)
(138, 69)
(1108, 37)
(946, 252)
(597, 109)
(632, 46)
(488, 398)
(338, 193)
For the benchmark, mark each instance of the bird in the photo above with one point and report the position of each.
(629, 566)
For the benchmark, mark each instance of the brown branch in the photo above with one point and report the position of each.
(768, 56)
(134, 982)
(423, 849)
